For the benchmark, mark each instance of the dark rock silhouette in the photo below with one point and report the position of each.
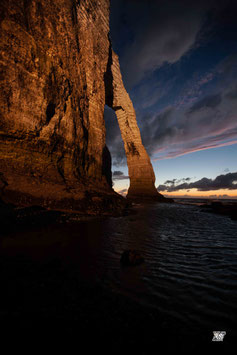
(223, 208)
(131, 258)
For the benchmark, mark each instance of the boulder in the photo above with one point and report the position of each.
(131, 258)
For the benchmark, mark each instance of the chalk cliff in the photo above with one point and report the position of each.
(57, 71)
(141, 174)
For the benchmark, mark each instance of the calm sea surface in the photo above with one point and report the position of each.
(190, 269)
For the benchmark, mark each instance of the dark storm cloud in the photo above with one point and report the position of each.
(227, 181)
(158, 32)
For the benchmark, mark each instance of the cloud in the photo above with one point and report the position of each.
(227, 181)
(119, 175)
(232, 94)
(177, 113)
(211, 101)
(210, 122)
(177, 181)
(206, 79)
(148, 93)
(170, 182)
(158, 32)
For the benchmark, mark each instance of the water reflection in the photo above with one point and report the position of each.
(190, 268)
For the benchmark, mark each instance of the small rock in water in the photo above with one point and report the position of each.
(131, 257)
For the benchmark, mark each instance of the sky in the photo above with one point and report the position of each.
(178, 60)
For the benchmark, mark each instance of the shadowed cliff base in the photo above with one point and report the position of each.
(15, 218)
(92, 204)
(146, 198)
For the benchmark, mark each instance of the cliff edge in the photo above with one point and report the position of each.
(57, 71)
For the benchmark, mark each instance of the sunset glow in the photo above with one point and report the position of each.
(193, 193)
(224, 193)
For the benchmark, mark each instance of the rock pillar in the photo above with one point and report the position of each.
(141, 174)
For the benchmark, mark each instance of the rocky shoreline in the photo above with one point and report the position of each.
(221, 208)
(13, 217)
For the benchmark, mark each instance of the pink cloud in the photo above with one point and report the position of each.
(174, 154)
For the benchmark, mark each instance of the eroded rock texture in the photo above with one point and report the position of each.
(142, 177)
(55, 60)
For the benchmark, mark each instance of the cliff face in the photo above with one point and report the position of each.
(57, 71)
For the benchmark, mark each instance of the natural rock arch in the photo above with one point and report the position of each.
(58, 70)
(141, 174)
